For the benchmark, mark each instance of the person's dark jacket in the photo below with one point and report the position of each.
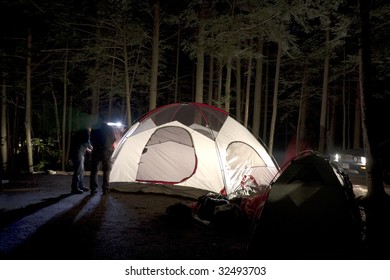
(102, 138)
(80, 142)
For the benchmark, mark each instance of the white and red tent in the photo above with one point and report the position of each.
(191, 145)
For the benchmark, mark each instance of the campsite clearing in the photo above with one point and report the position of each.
(39, 219)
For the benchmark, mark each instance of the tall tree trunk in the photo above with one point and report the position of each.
(211, 80)
(275, 100)
(111, 86)
(28, 105)
(266, 93)
(219, 89)
(127, 84)
(228, 83)
(58, 126)
(155, 57)
(357, 131)
(375, 187)
(258, 85)
(15, 131)
(324, 98)
(200, 63)
(302, 115)
(332, 125)
(345, 107)
(70, 129)
(238, 89)
(64, 109)
(4, 137)
(177, 65)
(248, 90)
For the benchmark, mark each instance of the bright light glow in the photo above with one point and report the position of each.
(336, 157)
(363, 159)
(118, 124)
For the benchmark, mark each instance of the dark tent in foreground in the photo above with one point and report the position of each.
(310, 213)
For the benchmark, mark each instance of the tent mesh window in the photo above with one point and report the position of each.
(163, 164)
(200, 117)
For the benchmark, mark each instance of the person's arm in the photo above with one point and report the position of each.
(89, 147)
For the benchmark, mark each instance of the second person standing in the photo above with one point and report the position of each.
(102, 140)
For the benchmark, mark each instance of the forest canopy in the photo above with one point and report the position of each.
(282, 68)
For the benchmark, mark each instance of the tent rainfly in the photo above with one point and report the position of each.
(191, 145)
(310, 213)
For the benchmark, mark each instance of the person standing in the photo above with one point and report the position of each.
(80, 146)
(102, 140)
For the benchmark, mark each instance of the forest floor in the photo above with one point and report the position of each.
(40, 219)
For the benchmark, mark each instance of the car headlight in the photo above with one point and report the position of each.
(336, 157)
(363, 160)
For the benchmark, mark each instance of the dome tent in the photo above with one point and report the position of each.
(190, 145)
(310, 213)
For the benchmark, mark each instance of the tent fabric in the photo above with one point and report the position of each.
(191, 145)
(174, 147)
(310, 213)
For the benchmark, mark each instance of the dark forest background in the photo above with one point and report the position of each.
(282, 68)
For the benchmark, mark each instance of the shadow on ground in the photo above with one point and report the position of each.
(44, 221)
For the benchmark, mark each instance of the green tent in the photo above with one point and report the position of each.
(310, 213)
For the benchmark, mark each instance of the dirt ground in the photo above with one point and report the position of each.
(40, 220)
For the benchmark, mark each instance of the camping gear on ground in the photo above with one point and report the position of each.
(206, 205)
(310, 213)
(191, 146)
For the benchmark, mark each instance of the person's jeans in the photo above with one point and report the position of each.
(102, 159)
(78, 170)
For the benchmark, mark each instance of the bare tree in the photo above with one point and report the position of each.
(357, 130)
(324, 97)
(211, 80)
(238, 89)
(4, 136)
(258, 87)
(275, 99)
(155, 56)
(57, 122)
(27, 121)
(375, 187)
(200, 56)
(64, 108)
(248, 86)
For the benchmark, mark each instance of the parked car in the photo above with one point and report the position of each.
(352, 161)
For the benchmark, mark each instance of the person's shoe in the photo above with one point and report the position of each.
(106, 191)
(76, 191)
(93, 191)
(84, 189)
